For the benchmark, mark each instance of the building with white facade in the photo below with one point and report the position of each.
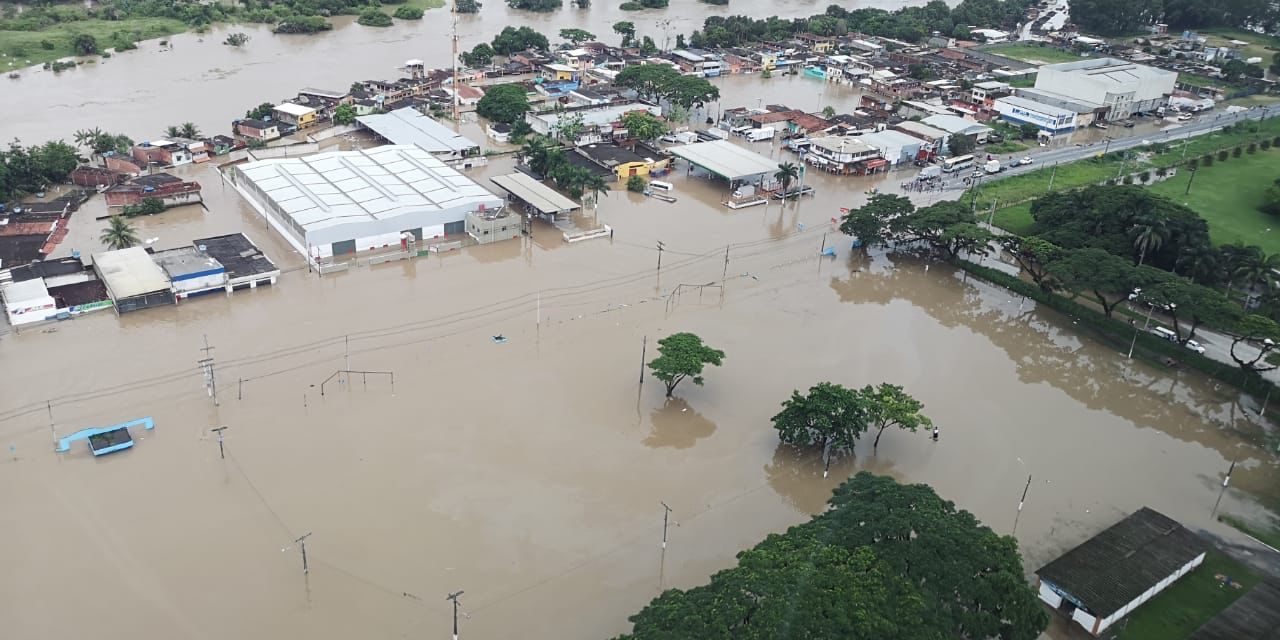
(1123, 87)
(339, 202)
(839, 154)
(894, 146)
(600, 120)
(1049, 118)
(1111, 574)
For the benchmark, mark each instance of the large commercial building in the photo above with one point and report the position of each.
(1049, 118)
(340, 202)
(408, 126)
(1123, 87)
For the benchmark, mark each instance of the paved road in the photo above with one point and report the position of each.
(1170, 135)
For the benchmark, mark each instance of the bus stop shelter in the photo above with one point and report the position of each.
(538, 198)
(727, 160)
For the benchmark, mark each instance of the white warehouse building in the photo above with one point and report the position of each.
(1123, 87)
(339, 202)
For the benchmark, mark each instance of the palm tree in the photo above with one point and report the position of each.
(119, 234)
(172, 131)
(1255, 268)
(1149, 234)
(189, 130)
(1202, 264)
(86, 137)
(596, 185)
(787, 172)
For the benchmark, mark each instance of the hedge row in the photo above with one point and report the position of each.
(1119, 333)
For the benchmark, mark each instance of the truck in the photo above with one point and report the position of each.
(992, 166)
(929, 172)
(757, 135)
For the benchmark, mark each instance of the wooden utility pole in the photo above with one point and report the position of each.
(222, 452)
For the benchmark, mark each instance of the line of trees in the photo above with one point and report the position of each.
(949, 227)
(1122, 17)
(885, 560)
(912, 24)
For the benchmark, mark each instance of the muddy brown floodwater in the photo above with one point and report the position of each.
(529, 474)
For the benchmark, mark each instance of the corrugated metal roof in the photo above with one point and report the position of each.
(543, 198)
(339, 187)
(409, 126)
(726, 159)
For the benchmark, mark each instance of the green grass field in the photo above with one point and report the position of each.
(1190, 602)
(1227, 196)
(1268, 534)
(1032, 53)
(1260, 46)
(23, 49)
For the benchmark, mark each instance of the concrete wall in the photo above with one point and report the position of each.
(285, 151)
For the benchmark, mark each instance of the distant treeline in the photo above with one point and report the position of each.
(288, 16)
(911, 24)
(1119, 17)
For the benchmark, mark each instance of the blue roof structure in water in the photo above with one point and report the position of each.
(104, 440)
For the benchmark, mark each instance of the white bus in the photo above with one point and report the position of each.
(957, 163)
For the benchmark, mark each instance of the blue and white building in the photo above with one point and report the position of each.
(1049, 118)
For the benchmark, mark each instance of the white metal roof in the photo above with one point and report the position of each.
(918, 129)
(596, 117)
(339, 187)
(890, 138)
(725, 159)
(409, 126)
(16, 293)
(129, 272)
(842, 144)
(1038, 107)
(1110, 70)
(955, 124)
(293, 109)
(542, 197)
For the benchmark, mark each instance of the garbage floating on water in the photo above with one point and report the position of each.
(104, 440)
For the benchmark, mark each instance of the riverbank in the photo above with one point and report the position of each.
(24, 48)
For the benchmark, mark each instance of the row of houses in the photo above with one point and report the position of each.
(132, 279)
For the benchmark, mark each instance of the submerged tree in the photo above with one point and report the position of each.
(680, 356)
(787, 173)
(889, 406)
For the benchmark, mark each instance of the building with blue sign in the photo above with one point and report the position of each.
(1049, 118)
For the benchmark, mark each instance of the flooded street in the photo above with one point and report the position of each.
(529, 474)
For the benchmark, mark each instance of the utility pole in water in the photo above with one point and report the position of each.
(661, 248)
(302, 543)
(454, 597)
(665, 516)
(221, 452)
(206, 363)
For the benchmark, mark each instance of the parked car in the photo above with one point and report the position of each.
(1195, 346)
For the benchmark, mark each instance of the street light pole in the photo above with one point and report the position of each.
(454, 597)
(1190, 180)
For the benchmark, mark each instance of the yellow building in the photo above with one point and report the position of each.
(297, 115)
(559, 72)
(623, 162)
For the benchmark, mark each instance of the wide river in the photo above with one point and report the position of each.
(530, 473)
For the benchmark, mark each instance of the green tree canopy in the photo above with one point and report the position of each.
(1261, 332)
(648, 80)
(1189, 305)
(468, 6)
(540, 6)
(1108, 277)
(576, 36)
(889, 406)
(680, 356)
(479, 56)
(1033, 254)
(516, 39)
(642, 125)
(503, 103)
(873, 222)
(885, 561)
(960, 145)
(830, 417)
(344, 114)
(627, 30)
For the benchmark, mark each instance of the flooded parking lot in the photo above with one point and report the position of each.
(529, 474)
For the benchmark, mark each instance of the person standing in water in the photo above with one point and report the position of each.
(935, 434)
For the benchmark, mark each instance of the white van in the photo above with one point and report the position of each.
(1167, 334)
(661, 186)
